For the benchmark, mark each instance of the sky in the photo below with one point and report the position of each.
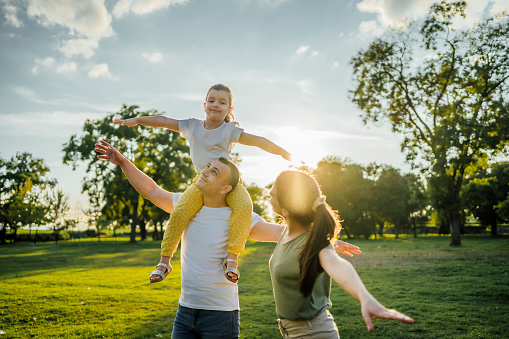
(287, 61)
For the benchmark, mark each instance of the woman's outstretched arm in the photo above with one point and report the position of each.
(344, 274)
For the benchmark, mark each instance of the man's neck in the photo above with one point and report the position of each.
(215, 201)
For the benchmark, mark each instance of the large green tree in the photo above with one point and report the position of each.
(57, 207)
(160, 153)
(350, 192)
(392, 195)
(20, 177)
(445, 89)
(485, 192)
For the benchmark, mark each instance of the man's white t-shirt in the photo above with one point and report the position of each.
(209, 144)
(203, 248)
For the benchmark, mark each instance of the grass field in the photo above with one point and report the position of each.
(91, 289)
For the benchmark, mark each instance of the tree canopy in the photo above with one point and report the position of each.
(445, 89)
(160, 153)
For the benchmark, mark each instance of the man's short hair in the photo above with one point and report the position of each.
(234, 172)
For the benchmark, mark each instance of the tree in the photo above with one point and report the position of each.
(485, 192)
(418, 202)
(57, 204)
(445, 90)
(350, 192)
(392, 195)
(15, 174)
(26, 208)
(160, 153)
(260, 197)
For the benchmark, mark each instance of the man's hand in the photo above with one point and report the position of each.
(109, 152)
(127, 122)
(346, 248)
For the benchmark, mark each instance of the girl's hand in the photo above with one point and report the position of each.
(287, 156)
(127, 122)
(346, 248)
(371, 308)
(109, 152)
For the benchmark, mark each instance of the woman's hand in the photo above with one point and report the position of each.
(346, 248)
(371, 308)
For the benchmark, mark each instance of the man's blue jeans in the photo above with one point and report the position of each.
(193, 323)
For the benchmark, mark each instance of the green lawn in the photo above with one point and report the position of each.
(91, 289)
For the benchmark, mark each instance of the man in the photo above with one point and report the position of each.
(209, 303)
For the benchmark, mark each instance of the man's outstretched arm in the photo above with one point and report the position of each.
(139, 180)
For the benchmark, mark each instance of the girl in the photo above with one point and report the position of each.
(304, 262)
(209, 139)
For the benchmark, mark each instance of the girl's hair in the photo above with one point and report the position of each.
(297, 192)
(220, 87)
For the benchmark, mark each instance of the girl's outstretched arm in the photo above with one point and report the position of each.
(264, 144)
(151, 121)
(344, 274)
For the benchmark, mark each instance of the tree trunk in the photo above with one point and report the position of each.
(494, 226)
(381, 228)
(143, 229)
(3, 235)
(396, 232)
(134, 223)
(455, 229)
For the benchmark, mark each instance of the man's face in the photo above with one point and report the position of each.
(214, 178)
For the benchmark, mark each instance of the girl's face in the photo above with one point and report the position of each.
(217, 105)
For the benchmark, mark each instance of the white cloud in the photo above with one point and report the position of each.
(100, 70)
(370, 29)
(122, 7)
(24, 91)
(83, 47)
(47, 63)
(87, 17)
(305, 86)
(302, 49)
(11, 14)
(67, 67)
(314, 53)
(335, 65)
(87, 22)
(396, 12)
(153, 57)
(143, 6)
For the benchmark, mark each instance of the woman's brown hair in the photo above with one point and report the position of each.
(297, 192)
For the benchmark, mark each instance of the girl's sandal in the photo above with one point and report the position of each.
(230, 269)
(160, 273)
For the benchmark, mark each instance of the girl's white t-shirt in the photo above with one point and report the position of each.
(209, 144)
(203, 248)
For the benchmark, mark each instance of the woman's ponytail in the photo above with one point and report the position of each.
(323, 230)
(299, 194)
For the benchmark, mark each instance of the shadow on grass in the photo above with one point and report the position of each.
(25, 259)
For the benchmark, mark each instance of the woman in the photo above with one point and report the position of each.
(304, 261)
